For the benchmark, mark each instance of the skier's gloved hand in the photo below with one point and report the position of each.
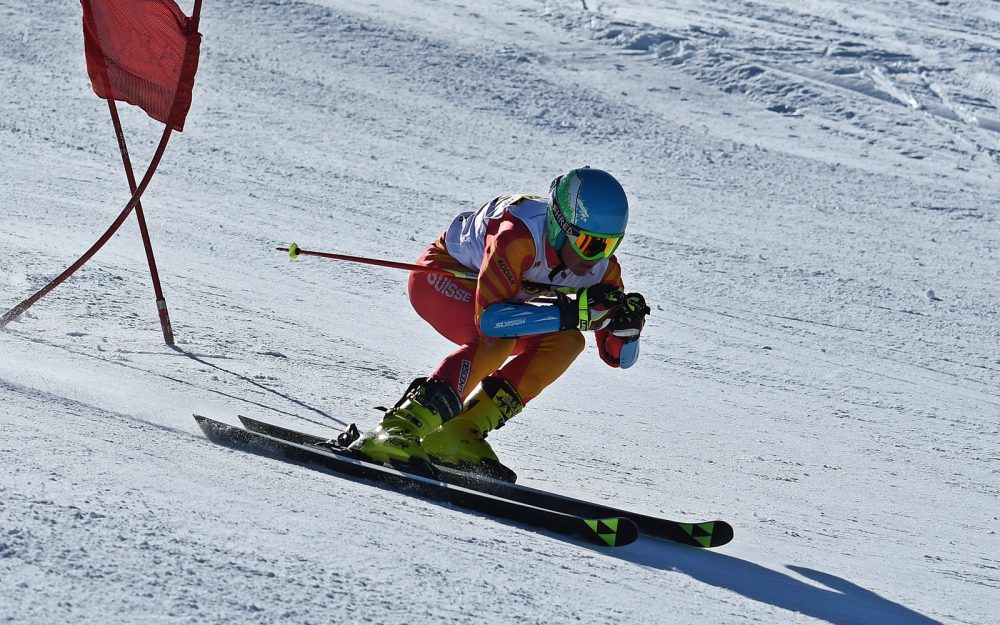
(592, 309)
(627, 320)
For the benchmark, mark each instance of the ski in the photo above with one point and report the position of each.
(703, 534)
(605, 531)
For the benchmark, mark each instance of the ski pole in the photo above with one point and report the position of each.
(294, 251)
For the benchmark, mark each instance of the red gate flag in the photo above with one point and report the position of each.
(144, 52)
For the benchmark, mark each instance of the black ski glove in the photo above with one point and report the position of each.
(627, 321)
(592, 309)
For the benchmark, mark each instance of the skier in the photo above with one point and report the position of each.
(510, 347)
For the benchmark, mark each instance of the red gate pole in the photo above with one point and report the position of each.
(161, 302)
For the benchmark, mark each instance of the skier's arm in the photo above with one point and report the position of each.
(508, 254)
(513, 319)
(618, 340)
(591, 310)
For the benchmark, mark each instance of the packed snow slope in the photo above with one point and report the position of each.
(814, 190)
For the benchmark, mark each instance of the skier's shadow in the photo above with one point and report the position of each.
(839, 602)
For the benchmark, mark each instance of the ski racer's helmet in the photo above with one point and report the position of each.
(588, 207)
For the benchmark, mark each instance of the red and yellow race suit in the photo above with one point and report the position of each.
(505, 242)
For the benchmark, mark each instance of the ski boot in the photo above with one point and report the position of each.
(425, 405)
(461, 442)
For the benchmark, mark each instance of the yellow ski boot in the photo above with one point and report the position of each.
(425, 405)
(461, 442)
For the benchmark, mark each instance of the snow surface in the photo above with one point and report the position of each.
(815, 224)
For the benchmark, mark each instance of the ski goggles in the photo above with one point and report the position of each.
(588, 245)
(592, 246)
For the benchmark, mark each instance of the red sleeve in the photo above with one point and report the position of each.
(510, 251)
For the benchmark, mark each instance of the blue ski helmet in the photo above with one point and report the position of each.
(589, 208)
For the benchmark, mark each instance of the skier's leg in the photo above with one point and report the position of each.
(448, 305)
(425, 405)
(461, 442)
(539, 361)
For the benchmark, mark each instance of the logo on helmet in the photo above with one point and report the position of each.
(576, 204)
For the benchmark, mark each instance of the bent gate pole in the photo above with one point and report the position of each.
(16, 311)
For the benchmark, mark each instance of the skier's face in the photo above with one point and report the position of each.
(578, 266)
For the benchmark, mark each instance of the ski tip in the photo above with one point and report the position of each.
(293, 251)
(611, 532)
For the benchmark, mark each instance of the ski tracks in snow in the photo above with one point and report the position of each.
(846, 68)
